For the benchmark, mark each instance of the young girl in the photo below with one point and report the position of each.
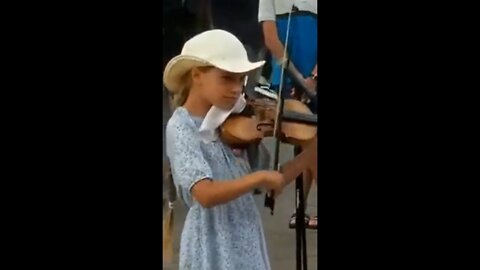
(222, 230)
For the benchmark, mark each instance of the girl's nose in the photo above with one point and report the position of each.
(237, 89)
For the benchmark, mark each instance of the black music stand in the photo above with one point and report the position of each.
(301, 243)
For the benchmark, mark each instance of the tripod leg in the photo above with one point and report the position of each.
(300, 221)
(304, 249)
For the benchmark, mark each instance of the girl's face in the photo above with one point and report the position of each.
(220, 88)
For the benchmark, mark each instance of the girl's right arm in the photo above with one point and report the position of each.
(213, 193)
(194, 177)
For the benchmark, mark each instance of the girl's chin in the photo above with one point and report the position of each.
(225, 106)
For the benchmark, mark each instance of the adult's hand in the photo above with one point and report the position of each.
(311, 85)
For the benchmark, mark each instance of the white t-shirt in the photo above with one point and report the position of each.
(268, 9)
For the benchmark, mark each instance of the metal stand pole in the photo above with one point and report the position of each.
(301, 242)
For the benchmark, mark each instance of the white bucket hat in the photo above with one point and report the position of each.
(216, 48)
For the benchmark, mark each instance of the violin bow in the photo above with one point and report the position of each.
(269, 196)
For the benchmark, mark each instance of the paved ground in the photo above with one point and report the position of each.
(280, 239)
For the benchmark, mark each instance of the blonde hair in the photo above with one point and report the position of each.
(181, 96)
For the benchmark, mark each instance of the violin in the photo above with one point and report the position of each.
(257, 121)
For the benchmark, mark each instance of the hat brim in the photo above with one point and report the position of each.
(179, 65)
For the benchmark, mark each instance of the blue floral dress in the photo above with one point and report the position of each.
(225, 237)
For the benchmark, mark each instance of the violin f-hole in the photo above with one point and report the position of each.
(260, 126)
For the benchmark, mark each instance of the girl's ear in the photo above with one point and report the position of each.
(195, 73)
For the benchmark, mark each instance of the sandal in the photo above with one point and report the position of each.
(293, 220)
(313, 223)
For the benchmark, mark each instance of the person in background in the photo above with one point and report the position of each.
(301, 51)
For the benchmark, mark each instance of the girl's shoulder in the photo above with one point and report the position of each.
(181, 122)
(180, 131)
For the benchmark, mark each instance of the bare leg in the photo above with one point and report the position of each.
(307, 184)
(308, 180)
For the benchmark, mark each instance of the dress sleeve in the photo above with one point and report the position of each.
(266, 10)
(187, 161)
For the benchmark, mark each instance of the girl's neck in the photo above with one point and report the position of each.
(196, 105)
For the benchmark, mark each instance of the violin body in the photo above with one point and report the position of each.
(240, 130)
(296, 133)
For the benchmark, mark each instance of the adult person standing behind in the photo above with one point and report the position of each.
(301, 51)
